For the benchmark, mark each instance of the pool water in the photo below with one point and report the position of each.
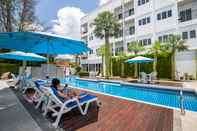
(164, 97)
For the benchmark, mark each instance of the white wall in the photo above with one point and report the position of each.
(186, 62)
(163, 3)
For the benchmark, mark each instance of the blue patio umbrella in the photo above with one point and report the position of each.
(21, 56)
(139, 60)
(41, 43)
(18, 55)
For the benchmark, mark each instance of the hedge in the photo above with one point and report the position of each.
(6, 67)
(163, 66)
(83, 73)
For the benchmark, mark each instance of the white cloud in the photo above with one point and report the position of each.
(68, 22)
(103, 2)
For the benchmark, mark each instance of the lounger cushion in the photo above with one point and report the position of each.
(83, 100)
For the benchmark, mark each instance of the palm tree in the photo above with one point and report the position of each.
(121, 56)
(106, 26)
(101, 52)
(135, 47)
(175, 43)
(156, 50)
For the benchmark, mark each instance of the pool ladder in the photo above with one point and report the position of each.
(182, 102)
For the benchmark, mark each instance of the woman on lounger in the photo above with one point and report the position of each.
(62, 93)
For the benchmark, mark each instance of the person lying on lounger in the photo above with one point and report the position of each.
(62, 93)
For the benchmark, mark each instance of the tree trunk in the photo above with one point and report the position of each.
(155, 63)
(122, 69)
(136, 70)
(102, 68)
(107, 57)
(173, 64)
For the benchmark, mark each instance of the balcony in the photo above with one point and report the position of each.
(187, 11)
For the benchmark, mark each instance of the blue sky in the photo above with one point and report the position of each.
(46, 10)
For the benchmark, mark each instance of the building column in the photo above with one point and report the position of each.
(154, 21)
(123, 27)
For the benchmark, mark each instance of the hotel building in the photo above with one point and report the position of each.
(146, 21)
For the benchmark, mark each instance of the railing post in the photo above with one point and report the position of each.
(182, 103)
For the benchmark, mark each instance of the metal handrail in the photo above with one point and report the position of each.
(182, 102)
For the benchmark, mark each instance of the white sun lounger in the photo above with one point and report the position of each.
(68, 105)
(142, 78)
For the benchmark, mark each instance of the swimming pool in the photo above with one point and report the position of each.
(162, 97)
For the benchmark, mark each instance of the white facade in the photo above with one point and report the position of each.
(148, 20)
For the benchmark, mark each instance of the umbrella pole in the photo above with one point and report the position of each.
(139, 70)
(24, 67)
(47, 75)
(23, 74)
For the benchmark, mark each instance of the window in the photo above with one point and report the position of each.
(158, 16)
(185, 15)
(145, 42)
(91, 52)
(160, 38)
(141, 43)
(144, 21)
(140, 22)
(164, 38)
(193, 34)
(148, 19)
(131, 12)
(188, 14)
(149, 41)
(185, 35)
(164, 15)
(169, 13)
(91, 37)
(139, 2)
(132, 30)
(142, 2)
(120, 16)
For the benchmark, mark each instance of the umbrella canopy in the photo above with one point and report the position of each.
(139, 59)
(17, 55)
(41, 43)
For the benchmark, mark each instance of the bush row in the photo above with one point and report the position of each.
(163, 66)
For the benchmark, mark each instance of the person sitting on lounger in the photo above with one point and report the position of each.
(62, 93)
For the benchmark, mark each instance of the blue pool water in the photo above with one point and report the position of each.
(170, 98)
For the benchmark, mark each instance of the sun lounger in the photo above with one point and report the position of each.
(68, 105)
(142, 77)
(152, 77)
(39, 84)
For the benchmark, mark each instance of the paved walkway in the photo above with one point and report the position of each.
(13, 116)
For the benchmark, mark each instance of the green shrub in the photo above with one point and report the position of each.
(78, 69)
(83, 73)
(6, 67)
(163, 66)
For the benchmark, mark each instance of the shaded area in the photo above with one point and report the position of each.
(42, 122)
(13, 115)
(121, 115)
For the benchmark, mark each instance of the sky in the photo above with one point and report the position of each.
(64, 15)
